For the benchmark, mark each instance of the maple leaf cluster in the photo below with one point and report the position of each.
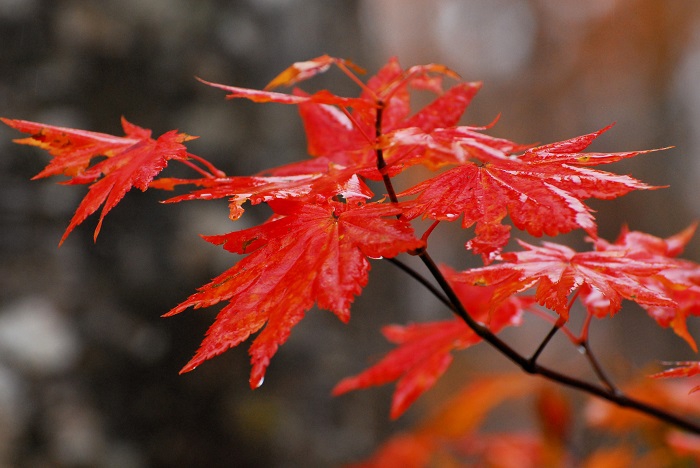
(328, 224)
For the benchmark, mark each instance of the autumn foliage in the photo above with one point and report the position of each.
(340, 209)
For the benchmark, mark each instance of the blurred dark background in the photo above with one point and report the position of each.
(89, 370)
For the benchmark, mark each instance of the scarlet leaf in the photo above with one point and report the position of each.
(680, 281)
(558, 271)
(643, 245)
(260, 189)
(342, 138)
(542, 189)
(348, 139)
(683, 286)
(429, 76)
(338, 136)
(682, 369)
(132, 161)
(424, 351)
(300, 71)
(308, 253)
(445, 110)
(255, 95)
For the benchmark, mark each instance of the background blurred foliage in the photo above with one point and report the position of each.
(88, 370)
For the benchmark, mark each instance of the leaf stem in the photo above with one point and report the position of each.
(196, 168)
(585, 327)
(429, 231)
(593, 361)
(215, 172)
(357, 125)
(341, 64)
(584, 345)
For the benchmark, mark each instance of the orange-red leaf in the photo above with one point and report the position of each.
(307, 254)
(425, 350)
(558, 271)
(300, 71)
(132, 161)
(343, 138)
(259, 189)
(348, 138)
(321, 97)
(682, 369)
(680, 281)
(542, 189)
(445, 110)
(643, 245)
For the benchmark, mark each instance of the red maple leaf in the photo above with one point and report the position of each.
(642, 245)
(300, 71)
(131, 161)
(542, 189)
(424, 350)
(258, 189)
(340, 136)
(682, 369)
(680, 282)
(306, 254)
(349, 139)
(256, 95)
(557, 272)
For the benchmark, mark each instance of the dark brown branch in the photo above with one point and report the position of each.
(610, 394)
(544, 343)
(381, 163)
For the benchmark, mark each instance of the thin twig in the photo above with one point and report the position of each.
(540, 348)
(593, 361)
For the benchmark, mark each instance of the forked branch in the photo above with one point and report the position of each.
(608, 391)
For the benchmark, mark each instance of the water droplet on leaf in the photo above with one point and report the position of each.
(257, 383)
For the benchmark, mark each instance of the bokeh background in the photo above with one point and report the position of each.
(89, 370)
